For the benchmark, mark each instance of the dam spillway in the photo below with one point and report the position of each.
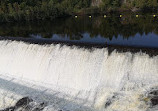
(71, 78)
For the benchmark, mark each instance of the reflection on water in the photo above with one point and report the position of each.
(128, 30)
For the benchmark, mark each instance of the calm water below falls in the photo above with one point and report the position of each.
(39, 71)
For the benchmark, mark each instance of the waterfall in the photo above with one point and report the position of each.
(70, 78)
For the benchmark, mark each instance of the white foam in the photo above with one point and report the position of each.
(76, 76)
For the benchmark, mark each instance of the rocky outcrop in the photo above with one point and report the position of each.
(96, 3)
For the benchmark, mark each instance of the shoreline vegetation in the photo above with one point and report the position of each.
(30, 10)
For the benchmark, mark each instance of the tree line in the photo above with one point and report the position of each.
(16, 10)
(28, 10)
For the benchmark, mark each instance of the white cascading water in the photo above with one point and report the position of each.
(69, 78)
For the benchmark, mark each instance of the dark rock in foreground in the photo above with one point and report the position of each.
(154, 97)
(26, 104)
